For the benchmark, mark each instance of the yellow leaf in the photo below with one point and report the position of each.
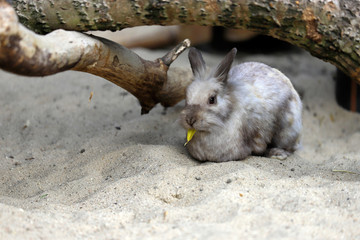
(189, 135)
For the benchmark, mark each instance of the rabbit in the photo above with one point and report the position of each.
(250, 109)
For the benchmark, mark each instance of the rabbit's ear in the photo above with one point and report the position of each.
(224, 66)
(197, 62)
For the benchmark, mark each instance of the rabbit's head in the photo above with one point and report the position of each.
(208, 98)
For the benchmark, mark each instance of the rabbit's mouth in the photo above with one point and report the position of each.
(199, 124)
(201, 129)
(196, 127)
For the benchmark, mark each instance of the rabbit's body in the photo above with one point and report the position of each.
(257, 111)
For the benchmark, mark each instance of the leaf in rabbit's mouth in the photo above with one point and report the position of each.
(189, 135)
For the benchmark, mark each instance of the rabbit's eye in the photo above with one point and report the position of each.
(212, 100)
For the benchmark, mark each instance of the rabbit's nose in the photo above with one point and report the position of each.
(190, 120)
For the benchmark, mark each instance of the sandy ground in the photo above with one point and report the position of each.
(70, 169)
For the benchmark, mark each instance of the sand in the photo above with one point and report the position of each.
(74, 169)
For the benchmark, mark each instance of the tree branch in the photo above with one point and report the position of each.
(26, 53)
(327, 29)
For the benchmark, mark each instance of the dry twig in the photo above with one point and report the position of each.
(26, 53)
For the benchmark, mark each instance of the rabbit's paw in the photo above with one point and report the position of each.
(277, 153)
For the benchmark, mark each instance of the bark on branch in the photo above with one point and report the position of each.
(26, 53)
(328, 29)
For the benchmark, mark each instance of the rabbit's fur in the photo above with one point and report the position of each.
(248, 109)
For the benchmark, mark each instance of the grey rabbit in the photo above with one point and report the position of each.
(236, 112)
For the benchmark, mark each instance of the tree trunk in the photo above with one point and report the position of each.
(328, 29)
